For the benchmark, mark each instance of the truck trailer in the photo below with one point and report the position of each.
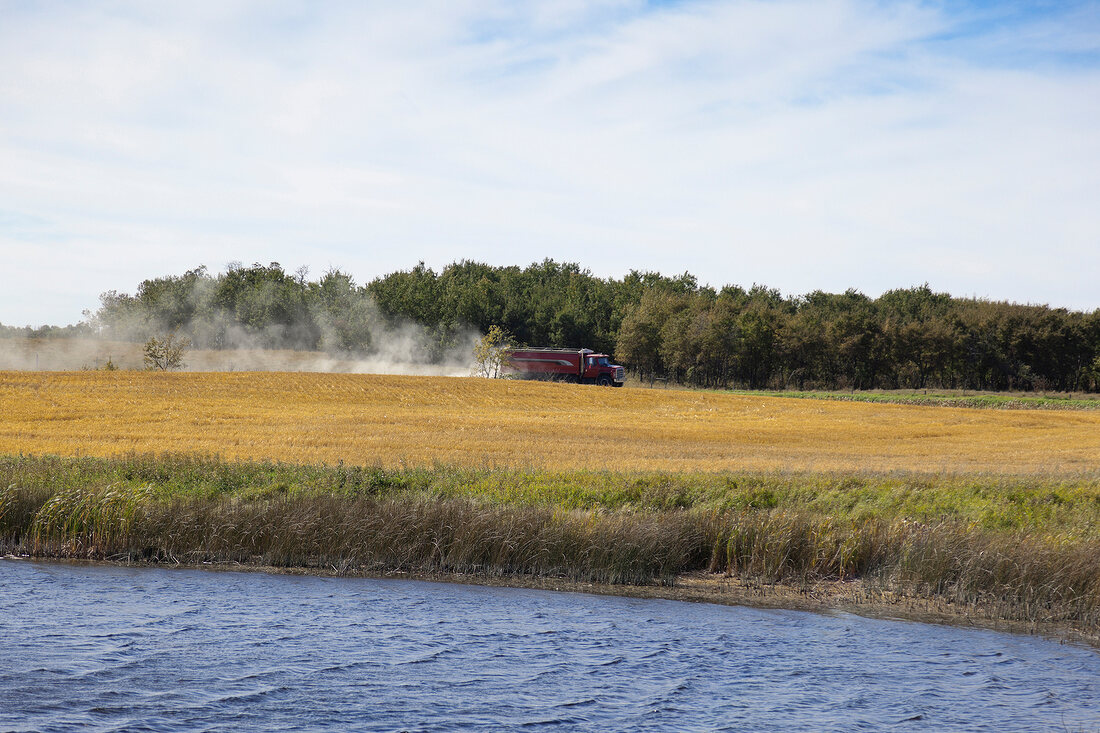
(580, 366)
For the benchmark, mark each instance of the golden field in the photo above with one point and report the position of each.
(407, 420)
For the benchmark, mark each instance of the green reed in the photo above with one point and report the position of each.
(1023, 548)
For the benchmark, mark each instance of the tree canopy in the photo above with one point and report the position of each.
(657, 326)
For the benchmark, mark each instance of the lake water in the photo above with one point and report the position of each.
(109, 648)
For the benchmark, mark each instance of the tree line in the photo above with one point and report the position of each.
(657, 326)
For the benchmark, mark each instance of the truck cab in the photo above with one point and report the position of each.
(599, 370)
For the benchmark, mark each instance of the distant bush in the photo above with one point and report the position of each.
(163, 354)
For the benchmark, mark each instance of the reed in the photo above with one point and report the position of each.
(79, 521)
(1068, 504)
(341, 533)
(1011, 575)
(1030, 565)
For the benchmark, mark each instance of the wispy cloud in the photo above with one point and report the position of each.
(802, 144)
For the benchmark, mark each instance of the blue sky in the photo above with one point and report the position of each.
(804, 144)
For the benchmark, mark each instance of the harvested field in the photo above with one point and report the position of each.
(401, 420)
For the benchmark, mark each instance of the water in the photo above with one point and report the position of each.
(106, 648)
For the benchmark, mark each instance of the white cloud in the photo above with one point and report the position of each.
(800, 144)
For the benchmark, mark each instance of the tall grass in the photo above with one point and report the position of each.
(1066, 505)
(86, 522)
(1010, 575)
(362, 533)
(1036, 566)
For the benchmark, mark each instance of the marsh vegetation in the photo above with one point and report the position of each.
(1020, 548)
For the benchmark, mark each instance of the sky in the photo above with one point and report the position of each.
(800, 144)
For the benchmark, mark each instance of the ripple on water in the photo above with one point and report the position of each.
(108, 648)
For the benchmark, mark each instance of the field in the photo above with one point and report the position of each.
(412, 421)
(987, 514)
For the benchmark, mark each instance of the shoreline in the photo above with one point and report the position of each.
(843, 596)
(1017, 555)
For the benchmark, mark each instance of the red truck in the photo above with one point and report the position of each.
(582, 366)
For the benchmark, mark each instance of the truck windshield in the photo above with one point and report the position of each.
(602, 361)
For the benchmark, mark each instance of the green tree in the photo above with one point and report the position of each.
(165, 353)
(490, 353)
(346, 314)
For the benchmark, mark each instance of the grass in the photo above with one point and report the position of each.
(1020, 548)
(1067, 505)
(984, 400)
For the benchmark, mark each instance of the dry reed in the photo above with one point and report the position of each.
(1009, 574)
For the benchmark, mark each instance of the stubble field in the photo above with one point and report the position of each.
(394, 421)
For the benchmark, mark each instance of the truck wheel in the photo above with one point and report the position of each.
(604, 381)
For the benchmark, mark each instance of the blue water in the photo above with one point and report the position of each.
(109, 648)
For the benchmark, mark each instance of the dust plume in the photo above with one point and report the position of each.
(240, 321)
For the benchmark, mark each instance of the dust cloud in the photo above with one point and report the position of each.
(75, 354)
(406, 348)
(347, 333)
